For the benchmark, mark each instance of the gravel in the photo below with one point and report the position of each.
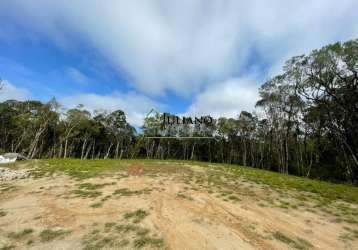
(7, 174)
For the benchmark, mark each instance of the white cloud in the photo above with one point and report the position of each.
(187, 46)
(183, 45)
(77, 76)
(133, 104)
(226, 99)
(11, 92)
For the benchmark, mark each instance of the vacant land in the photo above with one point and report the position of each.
(109, 204)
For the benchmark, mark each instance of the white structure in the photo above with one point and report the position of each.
(11, 157)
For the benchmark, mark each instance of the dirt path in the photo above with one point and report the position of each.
(175, 210)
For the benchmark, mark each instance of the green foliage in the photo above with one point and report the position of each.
(309, 127)
(49, 234)
(137, 216)
(7, 247)
(297, 243)
(21, 234)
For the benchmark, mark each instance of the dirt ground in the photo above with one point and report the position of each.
(161, 207)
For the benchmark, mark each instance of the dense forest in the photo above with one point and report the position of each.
(305, 124)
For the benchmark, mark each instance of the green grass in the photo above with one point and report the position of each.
(91, 186)
(83, 169)
(7, 247)
(6, 187)
(113, 235)
(20, 234)
(2, 213)
(137, 215)
(96, 205)
(184, 196)
(145, 241)
(49, 234)
(297, 243)
(352, 234)
(127, 192)
(86, 194)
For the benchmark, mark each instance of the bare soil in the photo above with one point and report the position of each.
(181, 209)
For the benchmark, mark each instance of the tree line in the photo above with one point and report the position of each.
(305, 123)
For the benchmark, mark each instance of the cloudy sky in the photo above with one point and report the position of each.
(197, 57)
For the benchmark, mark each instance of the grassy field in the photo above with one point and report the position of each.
(151, 204)
(82, 169)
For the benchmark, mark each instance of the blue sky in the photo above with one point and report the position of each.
(192, 57)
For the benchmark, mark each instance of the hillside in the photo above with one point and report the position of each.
(110, 204)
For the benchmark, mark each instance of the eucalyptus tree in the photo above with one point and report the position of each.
(330, 86)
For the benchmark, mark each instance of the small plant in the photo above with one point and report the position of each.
(281, 237)
(144, 241)
(127, 192)
(91, 186)
(184, 196)
(7, 247)
(137, 215)
(2, 213)
(126, 228)
(233, 198)
(96, 205)
(21, 234)
(86, 194)
(49, 234)
(109, 224)
(298, 243)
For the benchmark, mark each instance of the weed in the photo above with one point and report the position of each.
(49, 234)
(298, 243)
(145, 240)
(21, 234)
(137, 215)
(96, 205)
(91, 186)
(86, 194)
(233, 198)
(351, 235)
(126, 228)
(109, 224)
(281, 237)
(142, 231)
(184, 196)
(2, 213)
(7, 247)
(7, 187)
(127, 192)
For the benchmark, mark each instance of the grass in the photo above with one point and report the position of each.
(96, 205)
(329, 191)
(2, 213)
(184, 196)
(5, 187)
(49, 234)
(86, 194)
(75, 168)
(99, 243)
(113, 235)
(145, 241)
(297, 243)
(21, 234)
(219, 176)
(126, 192)
(91, 186)
(84, 169)
(137, 215)
(7, 247)
(352, 234)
